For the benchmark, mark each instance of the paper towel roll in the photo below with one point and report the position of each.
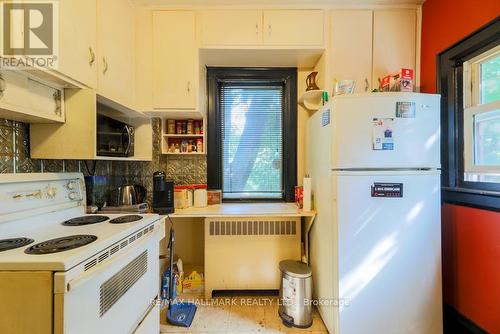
(306, 194)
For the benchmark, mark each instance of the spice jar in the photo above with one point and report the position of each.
(178, 127)
(189, 128)
(199, 145)
(171, 126)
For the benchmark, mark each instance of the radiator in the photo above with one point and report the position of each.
(244, 253)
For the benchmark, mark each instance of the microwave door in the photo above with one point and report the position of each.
(127, 141)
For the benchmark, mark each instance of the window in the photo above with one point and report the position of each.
(469, 83)
(482, 117)
(252, 133)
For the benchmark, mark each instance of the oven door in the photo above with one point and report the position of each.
(112, 297)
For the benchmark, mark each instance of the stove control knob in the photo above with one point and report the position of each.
(51, 192)
(71, 185)
(73, 196)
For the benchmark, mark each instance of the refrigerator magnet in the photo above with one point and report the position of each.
(383, 139)
(405, 109)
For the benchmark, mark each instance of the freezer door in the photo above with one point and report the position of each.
(386, 130)
(389, 252)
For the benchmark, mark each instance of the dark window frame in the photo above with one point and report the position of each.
(450, 85)
(288, 76)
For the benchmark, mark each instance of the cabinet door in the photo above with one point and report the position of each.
(14, 90)
(294, 27)
(231, 27)
(116, 50)
(394, 41)
(77, 45)
(45, 101)
(351, 45)
(175, 60)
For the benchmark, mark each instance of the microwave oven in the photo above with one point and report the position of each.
(114, 138)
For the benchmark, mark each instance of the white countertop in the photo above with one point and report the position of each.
(244, 210)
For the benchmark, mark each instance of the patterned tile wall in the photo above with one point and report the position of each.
(15, 158)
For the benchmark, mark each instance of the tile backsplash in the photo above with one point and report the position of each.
(15, 158)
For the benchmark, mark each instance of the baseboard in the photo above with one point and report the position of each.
(454, 322)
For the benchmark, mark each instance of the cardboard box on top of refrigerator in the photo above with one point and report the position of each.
(401, 81)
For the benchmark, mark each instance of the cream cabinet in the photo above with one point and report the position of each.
(26, 99)
(351, 47)
(394, 41)
(77, 137)
(77, 41)
(231, 27)
(293, 27)
(116, 51)
(175, 60)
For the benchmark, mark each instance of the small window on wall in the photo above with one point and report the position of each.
(481, 78)
(252, 133)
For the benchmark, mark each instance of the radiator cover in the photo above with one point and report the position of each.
(244, 253)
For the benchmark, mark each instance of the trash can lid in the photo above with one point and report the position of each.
(295, 268)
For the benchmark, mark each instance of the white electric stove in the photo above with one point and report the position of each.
(93, 273)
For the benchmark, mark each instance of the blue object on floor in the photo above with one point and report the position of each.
(181, 314)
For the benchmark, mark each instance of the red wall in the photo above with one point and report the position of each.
(471, 237)
(471, 264)
(445, 22)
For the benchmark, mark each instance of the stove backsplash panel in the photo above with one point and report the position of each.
(15, 158)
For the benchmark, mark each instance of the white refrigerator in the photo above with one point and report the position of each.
(375, 246)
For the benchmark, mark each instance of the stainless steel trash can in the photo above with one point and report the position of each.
(295, 307)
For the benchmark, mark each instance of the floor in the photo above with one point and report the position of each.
(240, 315)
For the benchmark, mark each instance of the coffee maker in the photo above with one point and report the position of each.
(163, 194)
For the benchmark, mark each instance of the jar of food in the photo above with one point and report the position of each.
(189, 127)
(184, 127)
(197, 127)
(184, 146)
(178, 127)
(171, 126)
(200, 196)
(199, 145)
(190, 146)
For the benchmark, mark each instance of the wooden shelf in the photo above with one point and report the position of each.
(173, 138)
(182, 136)
(311, 100)
(188, 153)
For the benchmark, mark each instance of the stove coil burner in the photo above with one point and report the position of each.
(61, 244)
(7, 244)
(126, 219)
(85, 220)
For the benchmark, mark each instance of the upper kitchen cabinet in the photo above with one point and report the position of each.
(231, 27)
(77, 41)
(116, 51)
(27, 99)
(293, 27)
(394, 41)
(175, 61)
(351, 47)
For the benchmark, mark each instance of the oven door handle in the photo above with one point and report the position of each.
(88, 275)
(128, 131)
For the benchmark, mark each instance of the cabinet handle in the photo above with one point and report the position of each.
(2, 85)
(92, 56)
(367, 85)
(256, 29)
(189, 87)
(105, 63)
(57, 101)
(270, 29)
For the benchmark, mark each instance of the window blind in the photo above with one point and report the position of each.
(252, 140)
